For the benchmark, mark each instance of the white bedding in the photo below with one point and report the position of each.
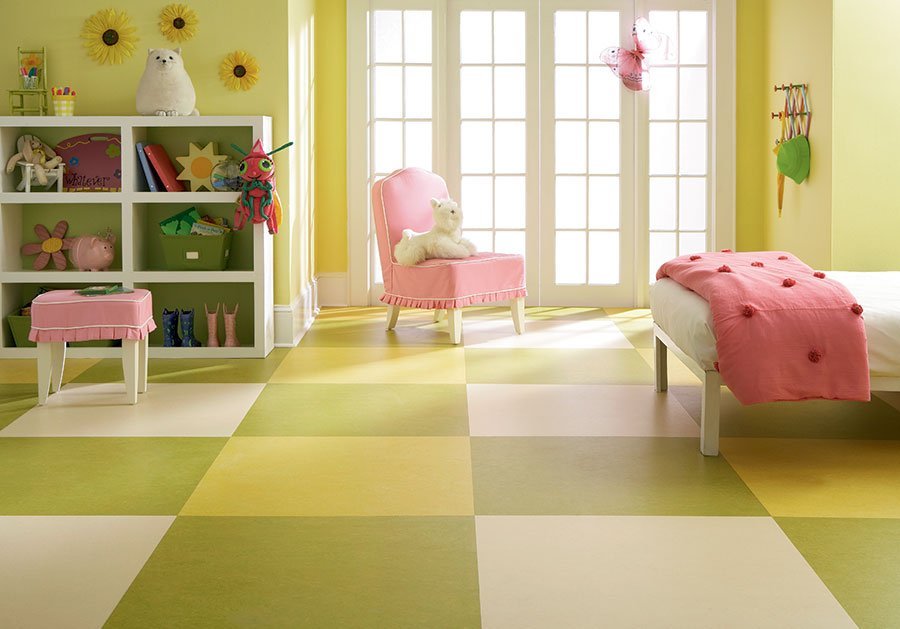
(686, 318)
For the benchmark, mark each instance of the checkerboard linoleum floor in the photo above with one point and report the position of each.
(375, 479)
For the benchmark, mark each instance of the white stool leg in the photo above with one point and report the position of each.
(709, 413)
(44, 365)
(439, 315)
(57, 365)
(518, 314)
(392, 313)
(142, 365)
(454, 321)
(130, 368)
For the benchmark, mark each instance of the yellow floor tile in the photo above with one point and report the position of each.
(840, 478)
(366, 365)
(24, 370)
(337, 476)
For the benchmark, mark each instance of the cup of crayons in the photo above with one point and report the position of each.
(63, 101)
(29, 78)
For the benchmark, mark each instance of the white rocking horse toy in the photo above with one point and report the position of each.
(39, 163)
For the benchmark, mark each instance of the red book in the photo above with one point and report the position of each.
(163, 167)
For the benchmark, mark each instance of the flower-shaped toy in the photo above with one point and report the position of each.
(51, 246)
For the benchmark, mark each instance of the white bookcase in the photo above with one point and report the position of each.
(133, 215)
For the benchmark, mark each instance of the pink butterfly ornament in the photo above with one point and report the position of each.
(631, 65)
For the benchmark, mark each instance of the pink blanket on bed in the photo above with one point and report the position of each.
(783, 331)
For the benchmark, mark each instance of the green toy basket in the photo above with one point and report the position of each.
(195, 252)
(20, 326)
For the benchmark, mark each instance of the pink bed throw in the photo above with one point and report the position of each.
(783, 331)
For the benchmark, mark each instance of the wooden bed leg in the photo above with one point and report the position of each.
(660, 364)
(709, 413)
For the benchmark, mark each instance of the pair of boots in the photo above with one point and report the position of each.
(171, 319)
(212, 325)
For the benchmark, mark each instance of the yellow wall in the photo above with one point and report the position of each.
(866, 132)
(110, 89)
(798, 49)
(331, 136)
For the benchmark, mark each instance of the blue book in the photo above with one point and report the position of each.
(149, 175)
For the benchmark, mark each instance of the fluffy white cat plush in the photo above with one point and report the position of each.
(165, 88)
(444, 240)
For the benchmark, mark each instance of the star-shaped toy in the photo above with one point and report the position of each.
(198, 166)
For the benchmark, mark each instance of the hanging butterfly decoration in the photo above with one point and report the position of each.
(631, 65)
(259, 200)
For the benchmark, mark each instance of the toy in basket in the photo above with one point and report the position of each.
(93, 162)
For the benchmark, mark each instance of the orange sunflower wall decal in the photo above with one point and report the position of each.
(109, 36)
(239, 70)
(178, 22)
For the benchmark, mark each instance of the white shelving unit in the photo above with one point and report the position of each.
(133, 214)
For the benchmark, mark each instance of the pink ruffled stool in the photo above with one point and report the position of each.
(63, 315)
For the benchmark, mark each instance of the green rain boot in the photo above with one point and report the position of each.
(170, 328)
(187, 329)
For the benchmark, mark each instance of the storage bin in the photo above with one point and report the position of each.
(196, 253)
(21, 326)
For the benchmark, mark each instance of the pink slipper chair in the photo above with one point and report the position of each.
(402, 201)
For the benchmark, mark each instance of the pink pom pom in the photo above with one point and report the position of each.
(857, 309)
(787, 283)
(814, 356)
(819, 274)
(782, 257)
(694, 258)
(727, 251)
(724, 269)
(748, 310)
(760, 264)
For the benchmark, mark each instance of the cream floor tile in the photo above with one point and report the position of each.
(165, 410)
(337, 476)
(628, 571)
(679, 375)
(499, 333)
(563, 410)
(24, 370)
(366, 365)
(71, 571)
(836, 478)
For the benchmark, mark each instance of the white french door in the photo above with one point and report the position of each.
(546, 151)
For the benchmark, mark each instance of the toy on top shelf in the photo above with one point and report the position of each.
(32, 65)
(165, 88)
(63, 101)
(51, 246)
(259, 199)
(38, 162)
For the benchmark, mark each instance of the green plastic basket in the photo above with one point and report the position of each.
(20, 326)
(196, 253)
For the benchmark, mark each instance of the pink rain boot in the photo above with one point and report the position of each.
(231, 339)
(212, 326)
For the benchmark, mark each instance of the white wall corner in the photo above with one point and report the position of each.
(292, 321)
(333, 289)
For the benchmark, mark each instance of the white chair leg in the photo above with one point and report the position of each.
(518, 314)
(142, 365)
(392, 313)
(130, 368)
(660, 364)
(57, 365)
(454, 322)
(44, 365)
(709, 413)
(439, 315)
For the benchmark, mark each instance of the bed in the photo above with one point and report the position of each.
(683, 324)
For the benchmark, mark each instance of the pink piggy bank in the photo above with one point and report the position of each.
(91, 253)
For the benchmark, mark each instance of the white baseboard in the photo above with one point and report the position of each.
(332, 289)
(292, 321)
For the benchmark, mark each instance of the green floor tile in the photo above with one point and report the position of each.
(413, 328)
(15, 400)
(308, 572)
(604, 476)
(101, 476)
(814, 419)
(192, 369)
(556, 366)
(358, 410)
(859, 561)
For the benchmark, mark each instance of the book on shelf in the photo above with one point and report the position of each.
(158, 157)
(153, 183)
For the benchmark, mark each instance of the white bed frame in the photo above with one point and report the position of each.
(712, 384)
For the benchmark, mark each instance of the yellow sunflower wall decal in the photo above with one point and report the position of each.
(109, 36)
(239, 70)
(178, 22)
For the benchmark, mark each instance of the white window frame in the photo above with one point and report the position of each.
(721, 156)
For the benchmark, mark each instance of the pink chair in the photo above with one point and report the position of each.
(402, 201)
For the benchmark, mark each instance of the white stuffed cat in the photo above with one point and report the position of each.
(165, 88)
(444, 240)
